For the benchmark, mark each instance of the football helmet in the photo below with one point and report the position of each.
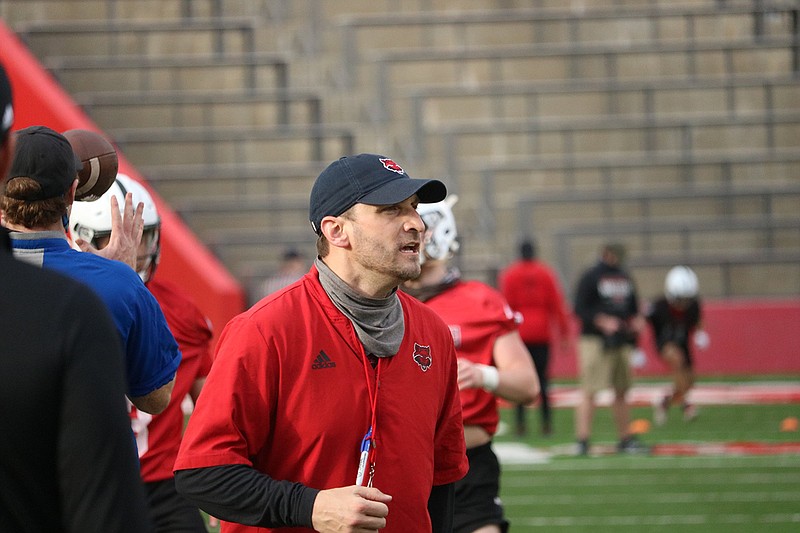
(91, 221)
(681, 282)
(441, 237)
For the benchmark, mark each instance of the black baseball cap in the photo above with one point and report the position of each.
(46, 157)
(366, 179)
(6, 108)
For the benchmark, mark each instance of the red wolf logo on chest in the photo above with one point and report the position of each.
(422, 356)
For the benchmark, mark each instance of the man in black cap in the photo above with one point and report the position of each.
(36, 203)
(67, 461)
(333, 404)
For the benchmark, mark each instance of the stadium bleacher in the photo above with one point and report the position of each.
(231, 108)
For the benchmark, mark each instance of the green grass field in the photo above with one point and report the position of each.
(708, 493)
(616, 493)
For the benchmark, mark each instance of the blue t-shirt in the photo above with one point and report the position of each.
(151, 353)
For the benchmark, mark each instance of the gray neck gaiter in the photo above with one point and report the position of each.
(379, 322)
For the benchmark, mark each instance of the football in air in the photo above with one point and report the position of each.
(100, 163)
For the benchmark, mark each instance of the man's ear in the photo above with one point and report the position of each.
(70, 196)
(333, 230)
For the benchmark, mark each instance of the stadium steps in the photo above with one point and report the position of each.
(716, 248)
(619, 134)
(237, 144)
(243, 179)
(439, 106)
(579, 46)
(152, 38)
(17, 12)
(659, 22)
(397, 69)
(210, 109)
(172, 73)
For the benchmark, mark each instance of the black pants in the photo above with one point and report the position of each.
(540, 353)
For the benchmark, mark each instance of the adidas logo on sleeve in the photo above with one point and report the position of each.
(322, 361)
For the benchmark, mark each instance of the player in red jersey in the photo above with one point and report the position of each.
(332, 404)
(532, 289)
(492, 363)
(158, 437)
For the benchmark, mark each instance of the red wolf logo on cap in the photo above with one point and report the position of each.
(391, 165)
(422, 356)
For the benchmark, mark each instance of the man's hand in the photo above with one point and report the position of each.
(469, 375)
(351, 509)
(126, 233)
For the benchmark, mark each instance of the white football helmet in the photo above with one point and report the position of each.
(681, 282)
(441, 237)
(91, 221)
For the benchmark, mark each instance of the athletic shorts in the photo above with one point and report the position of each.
(477, 494)
(603, 368)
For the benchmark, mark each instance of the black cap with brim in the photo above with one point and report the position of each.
(46, 157)
(428, 191)
(366, 179)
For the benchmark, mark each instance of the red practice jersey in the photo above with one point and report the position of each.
(476, 315)
(532, 289)
(288, 395)
(159, 437)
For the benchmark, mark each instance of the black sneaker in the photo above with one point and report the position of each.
(632, 445)
(583, 448)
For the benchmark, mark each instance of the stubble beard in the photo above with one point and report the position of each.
(373, 255)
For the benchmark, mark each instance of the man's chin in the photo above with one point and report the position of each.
(411, 273)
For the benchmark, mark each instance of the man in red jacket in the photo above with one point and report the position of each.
(532, 289)
(332, 404)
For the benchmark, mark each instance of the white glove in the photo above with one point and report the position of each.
(638, 358)
(701, 339)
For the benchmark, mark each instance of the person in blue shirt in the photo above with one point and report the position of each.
(35, 204)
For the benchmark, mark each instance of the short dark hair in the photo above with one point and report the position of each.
(30, 214)
(617, 249)
(527, 250)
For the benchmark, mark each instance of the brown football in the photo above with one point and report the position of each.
(100, 163)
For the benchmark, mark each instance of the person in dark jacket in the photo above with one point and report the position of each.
(607, 305)
(67, 460)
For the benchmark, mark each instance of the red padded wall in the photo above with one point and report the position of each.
(747, 337)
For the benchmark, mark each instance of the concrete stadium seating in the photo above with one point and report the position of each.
(171, 109)
(673, 126)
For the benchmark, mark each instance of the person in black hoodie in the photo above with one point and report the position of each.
(607, 305)
(67, 460)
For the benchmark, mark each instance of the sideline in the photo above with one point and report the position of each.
(717, 393)
(765, 392)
